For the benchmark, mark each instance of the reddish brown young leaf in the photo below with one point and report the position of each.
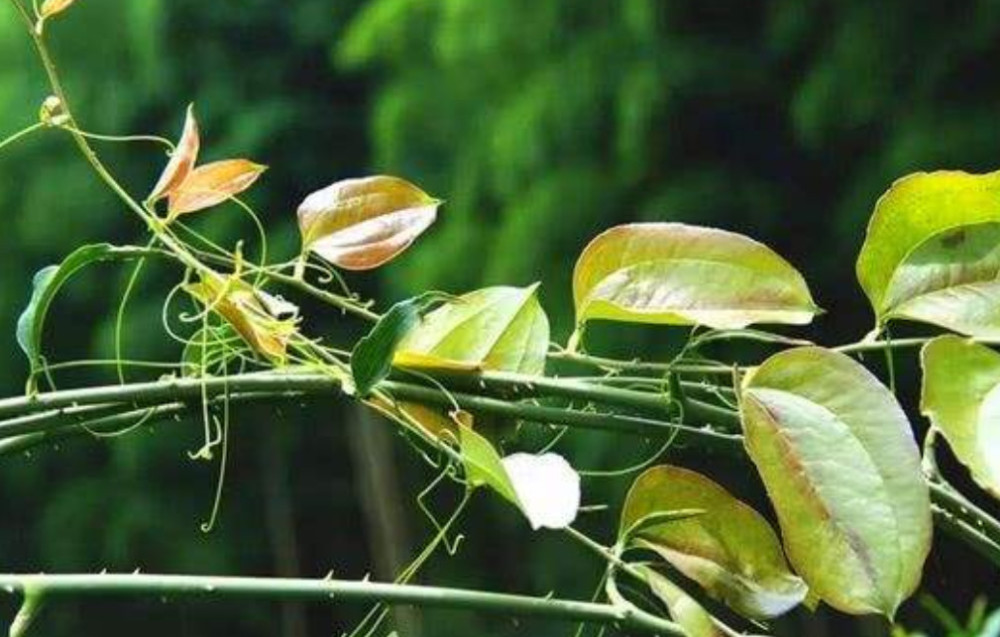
(212, 184)
(182, 160)
(359, 224)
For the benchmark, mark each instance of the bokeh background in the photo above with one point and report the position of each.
(540, 123)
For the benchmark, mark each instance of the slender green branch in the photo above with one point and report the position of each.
(955, 508)
(279, 385)
(638, 365)
(898, 343)
(24, 132)
(327, 590)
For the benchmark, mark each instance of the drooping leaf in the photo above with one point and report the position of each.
(691, 616)
(961, 397)
(678, 274)
(729, 549)
(498, 328)
(360, 224)
(842, 469)
(371, 360)
(212, 184)
(181, 161)
(47, 283)
(544, 487)
(931, 251)
(241, 306)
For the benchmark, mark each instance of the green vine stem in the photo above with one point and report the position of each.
(327, 590)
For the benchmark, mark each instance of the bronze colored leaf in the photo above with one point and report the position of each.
(181, 161)
(360, 224)
(212, 184)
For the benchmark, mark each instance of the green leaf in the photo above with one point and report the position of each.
(961, 397)
(692, 617)
(371, 359)
(931, 255)
(483, 465)
(842, 469)
(47, 283)
(730, 550)
(498, 328)
(677, 274)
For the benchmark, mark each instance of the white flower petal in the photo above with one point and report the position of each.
(547, 487)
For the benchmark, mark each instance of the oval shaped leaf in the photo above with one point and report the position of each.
(212, 184)
(544, 487)
(46, 285)
(961, 397)
(678, 274)
(498, 328)
(930, 245)
(360, 224)
(182, 159)
(840, 464)
(729, 549)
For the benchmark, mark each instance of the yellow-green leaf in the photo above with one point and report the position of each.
(212, 184)
(360, 224)
(243, 308)
(691, 616)
(930, 253)
(182, 160)
(841, 466)
(729, 549)
(677, 274)
(498, 328)
(961, 396)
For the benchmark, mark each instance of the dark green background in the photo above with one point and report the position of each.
(540, 123)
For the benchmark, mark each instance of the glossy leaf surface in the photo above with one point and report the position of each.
(729, 549)
(679, 274)
(961, 397)
(842, 469)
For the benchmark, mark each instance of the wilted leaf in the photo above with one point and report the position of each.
(685, 610)
(930, 252)
(181, 161)
(729, 549)
(678, 274)
(212, 184)
(47, 283)
(544, 487)
(240, 305)
(371, 360)
(359, 224)
(961, 396)
(842, 469)
(498, 328)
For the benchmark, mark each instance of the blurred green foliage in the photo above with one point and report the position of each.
(540, 123)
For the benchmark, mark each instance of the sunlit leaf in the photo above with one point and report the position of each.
(931, 252)
(181, 161)
(371, 359)
(47, 283)
(498, 328)
(547, 488)
(842, 469)
(240, 305)
(961, 396)
(678, 274)
(692, 617)
(359, 224)
(52, 7)
(729, 549)
(212, 184)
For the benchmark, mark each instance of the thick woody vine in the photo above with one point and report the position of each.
(855, 497)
